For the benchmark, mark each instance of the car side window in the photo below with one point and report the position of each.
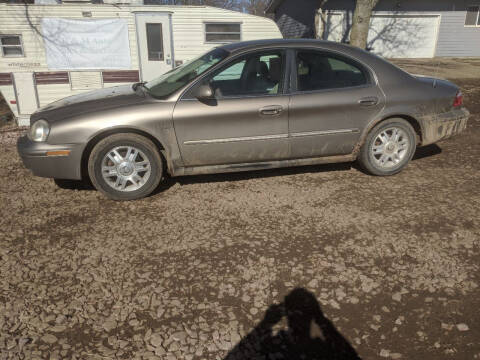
(233, 72)
(321, 71)
(253, 74)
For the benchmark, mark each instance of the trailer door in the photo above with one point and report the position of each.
(154, 44)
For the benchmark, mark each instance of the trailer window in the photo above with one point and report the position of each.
(155, 42)
(11, 45)
(222, 32)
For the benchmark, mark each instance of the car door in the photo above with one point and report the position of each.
(247, 121)
(334, 97)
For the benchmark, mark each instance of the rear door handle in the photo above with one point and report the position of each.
(271, 110)
(368, 101)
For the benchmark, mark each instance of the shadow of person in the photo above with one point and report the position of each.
(309, 336)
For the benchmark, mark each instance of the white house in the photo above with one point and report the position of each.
(51, 51)
(398, 29)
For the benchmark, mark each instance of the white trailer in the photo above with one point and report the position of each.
(52, 51)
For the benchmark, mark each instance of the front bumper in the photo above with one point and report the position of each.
(445, 125)
(35, 158)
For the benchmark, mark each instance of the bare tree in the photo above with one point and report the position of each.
(225, 4)
(255, 7)
(361, 22)
(320, 20)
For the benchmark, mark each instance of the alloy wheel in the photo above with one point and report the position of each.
(390, 147)
(125, 168)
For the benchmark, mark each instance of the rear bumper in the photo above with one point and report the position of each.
(35, 158)
(445, 125)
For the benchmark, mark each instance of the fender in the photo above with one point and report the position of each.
(152, 120)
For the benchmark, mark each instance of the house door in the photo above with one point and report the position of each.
(403, 36)
(392, 35)
(26, 95)
(154, 44)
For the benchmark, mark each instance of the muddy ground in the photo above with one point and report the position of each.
(446, 68)
(387, 267)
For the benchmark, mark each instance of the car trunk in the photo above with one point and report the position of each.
(446, 92)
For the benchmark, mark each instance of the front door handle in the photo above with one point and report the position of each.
(271, 110)
(368, 101)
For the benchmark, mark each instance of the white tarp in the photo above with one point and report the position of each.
(86, 44)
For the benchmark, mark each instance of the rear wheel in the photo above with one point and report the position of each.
(125, 166)
(389, 147)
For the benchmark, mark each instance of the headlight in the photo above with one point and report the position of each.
(39, 131)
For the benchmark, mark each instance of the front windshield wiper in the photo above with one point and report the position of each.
(136, 85)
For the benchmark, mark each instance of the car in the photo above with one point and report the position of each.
(244, 106)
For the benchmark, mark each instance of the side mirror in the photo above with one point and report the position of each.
(204, 92)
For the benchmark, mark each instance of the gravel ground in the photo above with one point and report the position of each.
(382, 267)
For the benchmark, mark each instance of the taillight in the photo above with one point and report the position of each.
(458, 100)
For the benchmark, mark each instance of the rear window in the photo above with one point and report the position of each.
(321, 71)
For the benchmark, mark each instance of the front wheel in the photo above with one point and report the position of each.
(389, 147)
(125, 166)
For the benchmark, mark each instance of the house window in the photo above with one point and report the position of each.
(155, 42)
(222, 32)
(473, 16)
(11, 45)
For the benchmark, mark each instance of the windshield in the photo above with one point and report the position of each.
(173, 80)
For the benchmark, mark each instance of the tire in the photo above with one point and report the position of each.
(388, 148)
(132, 166)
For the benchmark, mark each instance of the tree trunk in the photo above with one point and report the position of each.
(361, 22)
(320, 21)
(318, 25)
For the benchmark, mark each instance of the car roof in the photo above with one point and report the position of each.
(381, 65)
(245, 45)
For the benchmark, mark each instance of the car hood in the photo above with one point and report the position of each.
(91, 101)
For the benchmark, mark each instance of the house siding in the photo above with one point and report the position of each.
(454, 39)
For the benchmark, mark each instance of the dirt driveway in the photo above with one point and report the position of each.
(386, 267)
